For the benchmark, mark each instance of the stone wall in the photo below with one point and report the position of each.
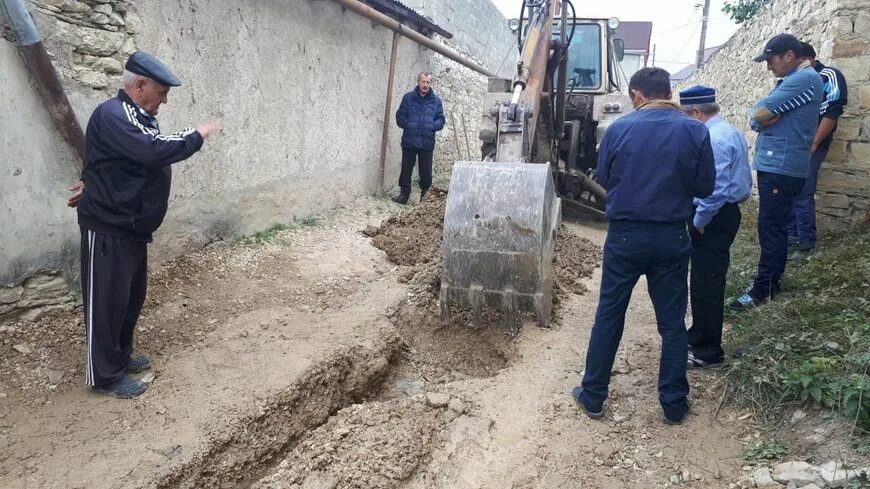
(462, 90)
(300, 87)
(840, 32)
(479, 30)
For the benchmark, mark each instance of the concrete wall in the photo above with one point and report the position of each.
(38, 231)
(300, 87)
(840, 32)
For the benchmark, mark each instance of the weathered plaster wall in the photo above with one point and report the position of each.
(300, 87)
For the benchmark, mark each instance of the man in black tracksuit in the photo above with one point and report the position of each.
(420, 115)
(124, 199)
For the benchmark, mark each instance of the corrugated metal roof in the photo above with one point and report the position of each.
(407, 15)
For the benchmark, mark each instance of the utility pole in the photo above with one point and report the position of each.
(653, 64)
(704, 17)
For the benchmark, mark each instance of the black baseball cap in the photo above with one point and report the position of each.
(780, 44)
(808, 50)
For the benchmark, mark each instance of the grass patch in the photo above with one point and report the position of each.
(269, 234)
(811, 345)
(765, 452)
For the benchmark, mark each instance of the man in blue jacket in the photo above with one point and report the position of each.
(420, 115)
(786, 122)
(652, 162)
(125, 196)
(802, 226)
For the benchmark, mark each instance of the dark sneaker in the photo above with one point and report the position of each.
(423, 195)
(694, 362)
(805, 246)
(138, 364)
(678, 420)
(745, 303)
(125, 388)
(800, 252)
(674, 422)
(401, 198)
(575, 393)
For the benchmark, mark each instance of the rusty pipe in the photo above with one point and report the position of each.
(388, 106)
(411, 34)
(39, 65)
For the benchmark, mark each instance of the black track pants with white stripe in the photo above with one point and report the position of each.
(114, 277)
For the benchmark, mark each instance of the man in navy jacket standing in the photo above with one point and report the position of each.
(652, 162)
(126, 179)
(420, 115)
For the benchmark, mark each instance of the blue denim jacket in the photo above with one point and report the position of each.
(784, 147)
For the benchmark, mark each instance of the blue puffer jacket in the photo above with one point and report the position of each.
(420, 117)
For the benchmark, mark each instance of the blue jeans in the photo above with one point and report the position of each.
(802, 225)
(661, 252)
(776, 195)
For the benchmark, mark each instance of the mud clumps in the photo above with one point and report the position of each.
(370, 446)
(413, 239)
(575, 258)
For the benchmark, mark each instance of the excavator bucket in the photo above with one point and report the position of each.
(500, 226)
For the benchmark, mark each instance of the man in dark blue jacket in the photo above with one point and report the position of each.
(125, 196)
(802, 225)
(652, 162)
(420, 115)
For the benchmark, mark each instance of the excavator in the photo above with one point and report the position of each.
(539, 137)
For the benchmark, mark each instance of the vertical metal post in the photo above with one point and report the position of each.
(388, 108)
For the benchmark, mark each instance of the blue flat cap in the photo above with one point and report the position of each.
(699, 94)
(144, 64)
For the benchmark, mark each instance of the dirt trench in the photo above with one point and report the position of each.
(383, 442)
(318, 361)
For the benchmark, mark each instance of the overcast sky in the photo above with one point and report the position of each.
(676, 24)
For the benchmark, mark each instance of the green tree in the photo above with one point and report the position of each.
(743, 10)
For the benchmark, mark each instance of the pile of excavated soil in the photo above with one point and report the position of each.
(413, 239)
(367, 446)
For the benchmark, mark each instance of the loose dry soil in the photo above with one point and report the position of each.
(318, 361)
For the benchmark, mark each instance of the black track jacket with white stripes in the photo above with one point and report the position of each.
(126, 173)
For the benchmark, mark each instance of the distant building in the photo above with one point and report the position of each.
(636, 36)
(686, 72)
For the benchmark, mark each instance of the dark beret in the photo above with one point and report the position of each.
(144, 64)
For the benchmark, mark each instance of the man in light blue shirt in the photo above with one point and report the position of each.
(713, 227)
(786, 122)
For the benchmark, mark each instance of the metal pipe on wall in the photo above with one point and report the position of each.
(39, 64)
(388, 106)
(411, 34)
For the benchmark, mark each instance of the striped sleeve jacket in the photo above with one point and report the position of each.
(784, 146)
(127, 172)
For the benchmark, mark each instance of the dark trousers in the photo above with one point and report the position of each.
(409, 158)
(776, 194)
(802, 225)
(711, 255)
(661, 252)
(114, 278)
